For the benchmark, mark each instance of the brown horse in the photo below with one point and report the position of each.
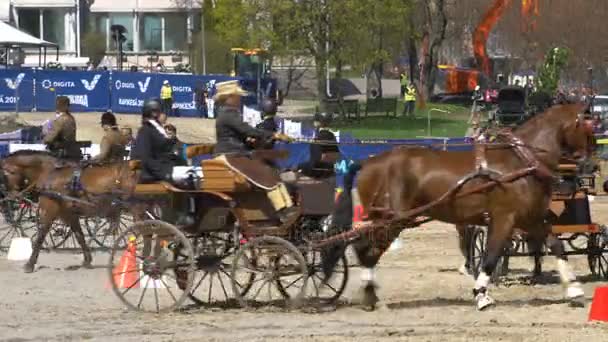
(64, 196)
(395, 182)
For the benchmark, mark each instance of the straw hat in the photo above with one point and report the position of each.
(224, 89)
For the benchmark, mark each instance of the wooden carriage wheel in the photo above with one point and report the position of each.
(597, 254)
(142, 275)
(269, 260)
(318, 291)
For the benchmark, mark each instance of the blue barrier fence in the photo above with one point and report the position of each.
(122, 92)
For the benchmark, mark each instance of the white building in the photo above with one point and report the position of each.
(163, 27)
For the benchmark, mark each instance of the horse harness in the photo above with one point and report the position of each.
(415, 217)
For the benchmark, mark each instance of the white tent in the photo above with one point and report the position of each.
(10, 37)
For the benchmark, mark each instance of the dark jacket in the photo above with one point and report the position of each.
(178, 152)
(155, 152)
(231, 132)
(317, 166)
(270, 126)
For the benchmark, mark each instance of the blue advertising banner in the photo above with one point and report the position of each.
(88, 91)
(130, 89)
(17, 88)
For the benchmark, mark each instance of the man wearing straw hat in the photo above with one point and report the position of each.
(234, 138)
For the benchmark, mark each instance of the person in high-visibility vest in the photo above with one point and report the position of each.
(166, 98)
(409, 100)
(403, 83)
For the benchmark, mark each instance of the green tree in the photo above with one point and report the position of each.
(550, 72)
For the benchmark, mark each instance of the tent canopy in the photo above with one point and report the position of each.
(11, 36)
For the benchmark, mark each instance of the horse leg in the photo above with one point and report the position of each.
(72, 221)
(464, 242)
(501, 230)
(574, 290)
(47, 214)
(369, 251)
(535, 245)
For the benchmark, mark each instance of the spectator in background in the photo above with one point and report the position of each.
(166, 98)
(160, 67)
(200, 99)
(409, 100)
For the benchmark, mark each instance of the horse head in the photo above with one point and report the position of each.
(578, 140)
(23, 167)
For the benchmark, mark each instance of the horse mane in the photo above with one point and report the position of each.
(30, 153)
(560, 109)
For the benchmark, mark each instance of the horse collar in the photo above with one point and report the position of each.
(528, 156)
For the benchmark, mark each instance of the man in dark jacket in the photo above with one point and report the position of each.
(61, 139)
(324, 150)
(234, 137)
(152, 146)
(268, 124)
(178, 145)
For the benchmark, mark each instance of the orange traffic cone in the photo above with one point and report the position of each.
(126, 274)
(599, 305)
(358, 214)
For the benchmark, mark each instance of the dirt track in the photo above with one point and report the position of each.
(423, 299)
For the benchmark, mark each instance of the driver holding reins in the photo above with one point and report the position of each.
(234, 140)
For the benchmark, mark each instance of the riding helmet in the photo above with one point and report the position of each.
(323, 118)
(151, 106)
(269, 106)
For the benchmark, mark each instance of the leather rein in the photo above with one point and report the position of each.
(410, 218)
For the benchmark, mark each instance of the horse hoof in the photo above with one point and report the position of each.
(27, 268)
(464, 270)
(484, 301)
(88, 266)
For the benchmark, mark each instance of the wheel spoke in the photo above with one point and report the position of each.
(143, 292)
(199, 282)
(132, 285)
(156, 297)
(168, 289)
(210, 288)
(293, 282)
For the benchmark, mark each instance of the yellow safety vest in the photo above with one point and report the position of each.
(410, 94)
(166, 93)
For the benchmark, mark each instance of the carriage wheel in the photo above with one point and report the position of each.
(143, 274)
(326, 293)
(104, 232)
(269, 260)
(20, 220)
(212, 279)
(597, 251)
(477, 254)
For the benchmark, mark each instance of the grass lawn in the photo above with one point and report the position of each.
(453, 124)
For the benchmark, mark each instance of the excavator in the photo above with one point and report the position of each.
(464, 80)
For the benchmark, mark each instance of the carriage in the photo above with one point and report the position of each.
(571, 222)
(237, 250)
(511, 107)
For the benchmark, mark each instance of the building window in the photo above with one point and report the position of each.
(98, 23)
(54, 26)
(150, 32)
(176, 31)
(29, 21)
(125, 20)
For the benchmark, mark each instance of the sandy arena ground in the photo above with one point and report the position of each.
(423, 298)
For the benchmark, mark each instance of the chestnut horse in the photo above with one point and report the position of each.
(403, 179)
(62, 195)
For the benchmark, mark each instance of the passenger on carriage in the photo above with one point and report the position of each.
(61, 138)
(112, 146)
(234, 140)
(178, 146)
(324, 149)
(269, 112)
(154, 148)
